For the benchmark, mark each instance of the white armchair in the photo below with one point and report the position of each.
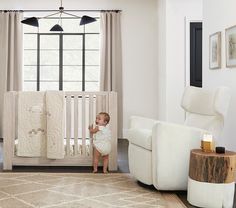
(159, 151)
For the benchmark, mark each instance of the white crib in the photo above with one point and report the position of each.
(81, 109)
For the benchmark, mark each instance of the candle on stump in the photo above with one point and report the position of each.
(207, 137)
(207, 143)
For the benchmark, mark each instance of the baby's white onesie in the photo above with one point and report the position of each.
(102, 140)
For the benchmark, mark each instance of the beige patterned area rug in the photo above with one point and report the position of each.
(79, 190)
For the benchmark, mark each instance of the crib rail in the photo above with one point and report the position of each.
(80, 112)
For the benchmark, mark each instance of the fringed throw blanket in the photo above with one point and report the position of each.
(55, 124)
(40, 124)
(31, 124)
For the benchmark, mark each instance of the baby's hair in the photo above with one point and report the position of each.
(106, 116)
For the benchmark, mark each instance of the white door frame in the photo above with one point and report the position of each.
(188, 20)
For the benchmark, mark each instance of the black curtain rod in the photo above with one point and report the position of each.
(53, 10)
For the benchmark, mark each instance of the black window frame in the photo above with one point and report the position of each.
(61, 35)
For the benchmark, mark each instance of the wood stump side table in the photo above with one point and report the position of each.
(211, 179)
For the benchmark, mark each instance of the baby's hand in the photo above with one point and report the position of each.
(93, 130)
(90, 127)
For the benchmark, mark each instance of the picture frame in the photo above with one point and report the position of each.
(230, 46)
(215, 50)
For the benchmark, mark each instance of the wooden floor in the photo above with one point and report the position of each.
(123, 167)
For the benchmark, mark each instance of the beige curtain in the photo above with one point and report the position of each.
(111, 59)
(11, 55)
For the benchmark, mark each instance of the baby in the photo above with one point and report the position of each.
(101, 140)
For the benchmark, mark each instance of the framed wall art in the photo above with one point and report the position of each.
(215, 51)
(230, 46)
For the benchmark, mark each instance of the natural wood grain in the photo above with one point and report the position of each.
(173, 201)
(212, 167)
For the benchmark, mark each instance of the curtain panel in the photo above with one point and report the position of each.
(11, 55)
(111, 59)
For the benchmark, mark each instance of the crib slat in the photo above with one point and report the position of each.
(104, 103)
(76, 124)
(107, 103)
(98, 103)
(83, 125)
(94, 107)
(68, 124)
(91, 121)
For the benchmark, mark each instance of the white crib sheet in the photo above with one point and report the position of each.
(72, 147)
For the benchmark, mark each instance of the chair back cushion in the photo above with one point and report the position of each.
(206, 109)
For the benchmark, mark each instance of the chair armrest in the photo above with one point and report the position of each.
(171, 145)
(137, 122)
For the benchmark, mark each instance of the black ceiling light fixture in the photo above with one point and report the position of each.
(86, 20)
(33, 21)
(56, 28)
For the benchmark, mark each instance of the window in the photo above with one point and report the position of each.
(62, 61)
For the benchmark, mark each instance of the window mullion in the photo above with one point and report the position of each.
(38, 62)
(60, 62)
(83, 61)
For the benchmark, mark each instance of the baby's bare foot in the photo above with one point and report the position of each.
(95, 171)
(105, 172)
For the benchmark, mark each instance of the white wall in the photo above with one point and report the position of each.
(161, 57)
(139, 38)
(171, 54)
(218, 15)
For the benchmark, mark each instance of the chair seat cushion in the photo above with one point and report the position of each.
(141, 137)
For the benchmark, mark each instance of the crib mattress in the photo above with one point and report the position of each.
(72, 147)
